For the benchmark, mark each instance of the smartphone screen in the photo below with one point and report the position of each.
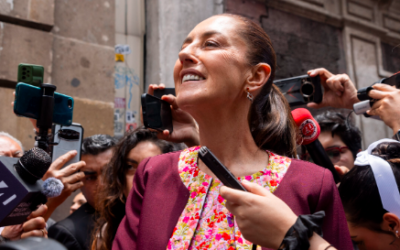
(156, 113)
(67, 138)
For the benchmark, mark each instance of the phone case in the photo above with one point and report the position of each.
(67, 138)
(156, 113)
(301, 90)
(27, 104)
(30, 74)
(222, 173)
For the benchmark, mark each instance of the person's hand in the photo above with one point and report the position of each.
(339, 90)
(342, 170)
(263, 218)
(69, 176)
(34, 226)
(185, 127)
(387, 106)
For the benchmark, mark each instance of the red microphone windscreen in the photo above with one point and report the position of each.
(309, 128)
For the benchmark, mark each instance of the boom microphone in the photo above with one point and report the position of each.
(21, 185)
(310, 130)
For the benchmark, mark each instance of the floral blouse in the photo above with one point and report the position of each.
(205, 222)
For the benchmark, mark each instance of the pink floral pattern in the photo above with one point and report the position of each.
(205, 222)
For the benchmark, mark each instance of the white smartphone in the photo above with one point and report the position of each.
(67, 138)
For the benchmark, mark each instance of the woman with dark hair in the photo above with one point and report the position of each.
(223, 79)
(117, 180)
(371, 199)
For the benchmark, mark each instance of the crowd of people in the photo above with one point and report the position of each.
(149, 189)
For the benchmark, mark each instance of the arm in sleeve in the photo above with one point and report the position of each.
(334, 228)
(64, 236)
(128, 230)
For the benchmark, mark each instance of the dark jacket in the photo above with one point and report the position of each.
(74, 232)
(158, 198)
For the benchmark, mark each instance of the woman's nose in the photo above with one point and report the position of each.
(188, 56)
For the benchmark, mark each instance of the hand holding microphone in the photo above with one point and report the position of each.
(310, 130)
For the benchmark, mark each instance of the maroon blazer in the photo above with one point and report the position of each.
(159, 196)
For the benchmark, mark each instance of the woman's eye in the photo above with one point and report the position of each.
(210, 43)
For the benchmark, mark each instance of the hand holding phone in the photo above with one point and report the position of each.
(222, 173)
(157, 113)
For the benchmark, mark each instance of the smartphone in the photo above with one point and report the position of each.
(301, 90)
(222, 173)
(27, 104)
(167, 91)
(156, 113)
(67, 138)
(30, 74)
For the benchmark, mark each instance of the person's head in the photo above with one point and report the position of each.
(10, 146)
(77, 202)
(370, 225)
(117, 178)
(97, 151)
(340, 139)
(222, 59)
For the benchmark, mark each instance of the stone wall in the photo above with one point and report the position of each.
(73, 40)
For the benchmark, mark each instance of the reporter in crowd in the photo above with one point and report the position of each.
(77, 202)
(223, 79)
(339, 137)
(371, 199)
(35, 224)
(74, 231)
(117, 181)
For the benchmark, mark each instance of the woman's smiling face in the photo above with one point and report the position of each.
(212, 67)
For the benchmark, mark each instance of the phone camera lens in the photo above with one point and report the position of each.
(23, 78)
(69, 103)
(23, 68)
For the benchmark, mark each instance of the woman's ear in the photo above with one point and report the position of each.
(259, 76)
(391, 223)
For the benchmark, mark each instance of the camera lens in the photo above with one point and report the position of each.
(307, 89)
(69, 103)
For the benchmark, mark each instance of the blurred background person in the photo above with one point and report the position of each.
(117, 181)
(77, 202)
(74, 231)
(370, 197)
(339, 137)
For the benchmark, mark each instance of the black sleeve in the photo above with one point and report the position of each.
(61, 234)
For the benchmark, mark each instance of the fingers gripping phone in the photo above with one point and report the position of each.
(166, 91)
(157, 113)
(67, 138)
(27, 103)
(222, 173)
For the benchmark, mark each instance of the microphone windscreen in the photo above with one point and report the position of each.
(33, 164)
(308, 126)
(52, 187)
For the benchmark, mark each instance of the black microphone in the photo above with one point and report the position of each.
(21, 185)
(310, 130)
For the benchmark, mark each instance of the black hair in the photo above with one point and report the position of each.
(337, 124)
(359, 192)
(97, 144)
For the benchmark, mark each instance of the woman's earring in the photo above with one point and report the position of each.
(249, 95)
(397, 234)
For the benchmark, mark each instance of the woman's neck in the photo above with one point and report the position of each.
(228, 136)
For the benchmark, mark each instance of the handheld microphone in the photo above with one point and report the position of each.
(310, 130)
(21, 188)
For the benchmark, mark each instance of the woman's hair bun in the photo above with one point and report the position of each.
(388, 151)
